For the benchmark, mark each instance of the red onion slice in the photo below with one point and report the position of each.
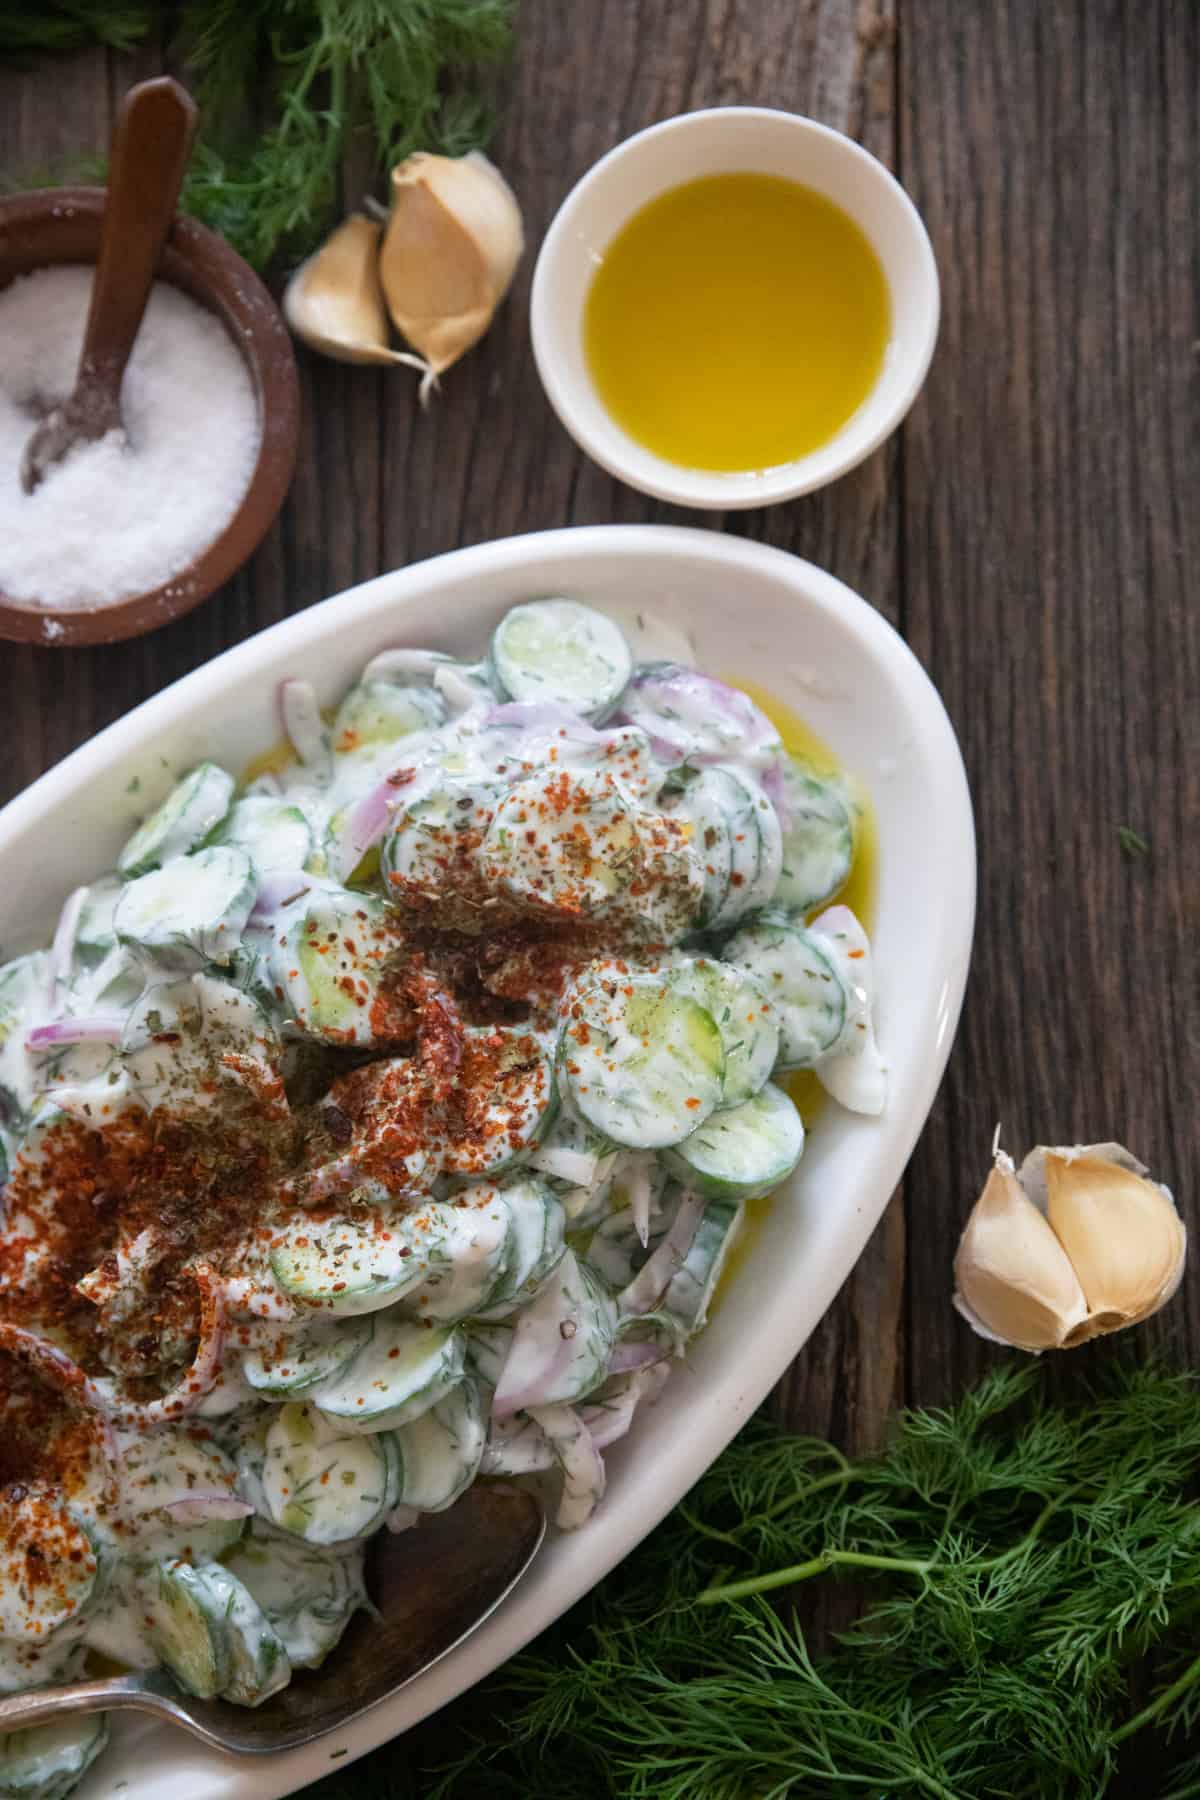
(581, 1463)
(656, 1273)
(195, 1509)
(96, 1028)
(62, 947)
(303, 724)
(56, 1368)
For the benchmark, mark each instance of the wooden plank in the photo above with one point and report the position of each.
(1050, 541)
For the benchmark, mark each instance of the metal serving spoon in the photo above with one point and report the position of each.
(152, 140)
(432, 1585)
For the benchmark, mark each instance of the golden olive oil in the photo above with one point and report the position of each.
(736, 322)
(858, 893)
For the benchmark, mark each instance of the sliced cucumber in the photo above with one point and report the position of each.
(24, 985)
(440, 1452)
(185, 1623)
(377, 712)
(46, 1762)
(561, 1341)
(567, 841)
(487, 1346)
(258, 1662)
(691, 1289)
(193, 808)
(308, 1594)
(273, 834)
(562, 652)
(807, 996)
(818, 837)
(745, 1020)
(347, 1266)
(514, 1072)
(642, 1064)
(473, 1235)
(94, 935)
(48, 1565)
(192, 912)
(436, 833)
(538, 1239)
(400, 1373)
(324, 1484)
(329, 960)
(289, 1361)
(744, 1151)
(169, 1463)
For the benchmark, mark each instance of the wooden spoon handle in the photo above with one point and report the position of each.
(152, 140)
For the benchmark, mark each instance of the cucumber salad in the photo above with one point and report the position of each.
(382, 1124)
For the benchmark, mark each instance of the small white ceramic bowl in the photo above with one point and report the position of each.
(718, 142)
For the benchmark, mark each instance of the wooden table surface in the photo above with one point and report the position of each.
(1033, 530)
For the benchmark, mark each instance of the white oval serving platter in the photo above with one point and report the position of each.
(751, 612)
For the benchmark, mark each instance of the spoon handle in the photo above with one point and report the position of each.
(42, 1706)
(152, 140)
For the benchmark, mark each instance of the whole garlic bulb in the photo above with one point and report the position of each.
(1079, 1243)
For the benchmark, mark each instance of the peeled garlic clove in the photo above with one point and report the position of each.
(334, 301)
(452, 244)
(1121, 1231)
(1015, 1283)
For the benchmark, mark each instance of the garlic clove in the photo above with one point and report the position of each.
(1015, 1282)
(1121, 1232)
(334, 301)
(453, 240)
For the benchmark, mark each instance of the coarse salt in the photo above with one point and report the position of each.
(123, 515)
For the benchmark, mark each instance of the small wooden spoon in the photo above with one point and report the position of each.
(152, 140)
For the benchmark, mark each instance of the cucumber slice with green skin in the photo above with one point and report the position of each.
(487, 1347)
(329, 966)
(807, 996)
(346, 1266)
(756, 848)
(745, 1020)
(48, 1565)
(744, 1151)
(185, 1624)
(537, 1242)
(690, 1291)
(308, 1594)
(440, 1452)
(46, 1762)
(273, 834)
(94, 935)
(193, 809)
(643, 1064)
(154, 1466)
(324, 1484)
(564, 653)
(258, 1662)
(24, 984)
(567, 841)
(474, 1244)
(289, 1361)
(404, 1370)
(519, 1077)
(192, 912)
(437, 832)
(378, 712)
(178, 1032)
(818, 837)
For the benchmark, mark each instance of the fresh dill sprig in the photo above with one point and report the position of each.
(286, 86)
(1030, 1573)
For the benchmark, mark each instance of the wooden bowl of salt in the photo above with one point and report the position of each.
(148, 528)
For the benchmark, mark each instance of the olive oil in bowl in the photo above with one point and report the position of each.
(736, 323)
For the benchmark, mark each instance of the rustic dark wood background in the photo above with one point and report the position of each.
(1033, 530)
